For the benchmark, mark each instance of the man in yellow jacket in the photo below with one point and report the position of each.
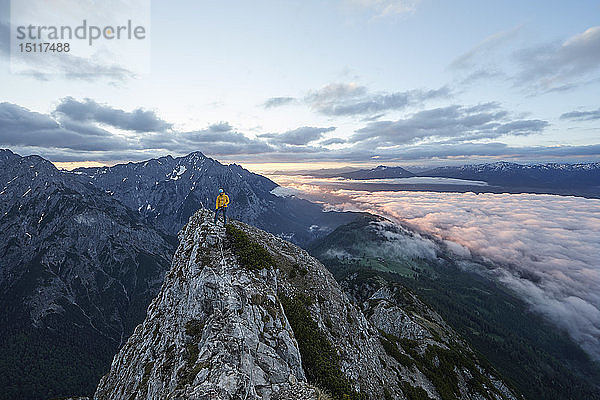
(222, 203)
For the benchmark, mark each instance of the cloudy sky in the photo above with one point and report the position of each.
(360, 82)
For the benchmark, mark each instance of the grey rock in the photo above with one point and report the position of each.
(218, 330)
(215, 331)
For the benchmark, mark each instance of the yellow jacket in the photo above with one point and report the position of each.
(222, 200)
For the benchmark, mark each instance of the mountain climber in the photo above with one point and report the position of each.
(222, 203)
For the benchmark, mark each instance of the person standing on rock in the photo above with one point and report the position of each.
(222, 203)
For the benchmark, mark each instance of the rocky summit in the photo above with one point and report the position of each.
(243, 314)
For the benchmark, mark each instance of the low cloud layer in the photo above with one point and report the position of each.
(544, 247)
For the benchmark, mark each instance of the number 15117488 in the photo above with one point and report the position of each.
(44, 47)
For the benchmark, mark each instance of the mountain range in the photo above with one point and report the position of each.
(551, 175)
(551, 178)
(167, 191)
(77, 271)
(84, 253)
(236, 311)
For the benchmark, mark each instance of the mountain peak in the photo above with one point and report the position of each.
(194, 155)
(379, 172)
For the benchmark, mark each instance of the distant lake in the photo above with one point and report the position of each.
(421, 180)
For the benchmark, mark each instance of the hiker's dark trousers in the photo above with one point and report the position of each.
(224, 210)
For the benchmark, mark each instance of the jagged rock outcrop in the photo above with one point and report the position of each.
(243, 314)
(215, 329)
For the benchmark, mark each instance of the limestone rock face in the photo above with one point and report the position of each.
(216, 330)
(220, 329)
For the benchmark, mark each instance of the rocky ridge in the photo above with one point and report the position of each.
(243, 314)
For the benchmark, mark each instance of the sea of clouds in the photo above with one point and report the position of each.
(544, 247)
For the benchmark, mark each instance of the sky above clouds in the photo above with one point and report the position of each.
(407, 82)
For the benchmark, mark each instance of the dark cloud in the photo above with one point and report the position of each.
(545, 66)
(342, 99)
(327, 142)
(457, 122)
(279, 101)
(83, 128)
(14, 118)
(452, 128)
(21, 127)
(89, 111)
(218, 139)
(297, 137)
(582, 115)
(75, 135)
(467, 152)
(260, 152)
(213, 136)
